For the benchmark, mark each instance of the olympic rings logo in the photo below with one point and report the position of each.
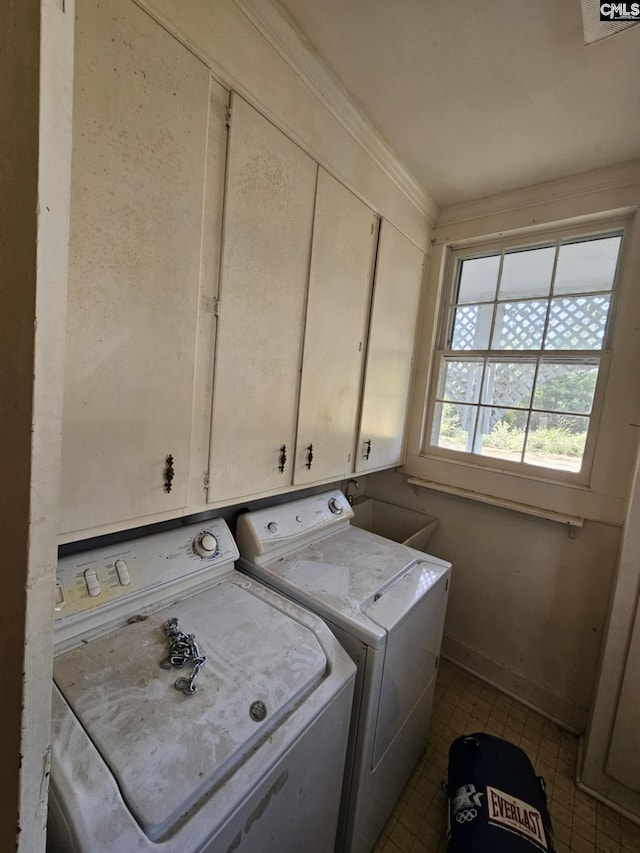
(466, 815)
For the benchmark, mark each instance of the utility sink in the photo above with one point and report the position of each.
(408, 526)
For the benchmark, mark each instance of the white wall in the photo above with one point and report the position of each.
(35, 102)
(527, 603)
(18, 161)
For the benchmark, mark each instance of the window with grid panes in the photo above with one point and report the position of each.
(521, 351)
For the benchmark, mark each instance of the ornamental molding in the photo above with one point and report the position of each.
(284, 38)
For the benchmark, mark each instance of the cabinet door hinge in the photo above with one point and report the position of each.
(205, 480)
(216, 307)
(228, 116)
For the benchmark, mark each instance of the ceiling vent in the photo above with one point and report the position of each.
(594, 28)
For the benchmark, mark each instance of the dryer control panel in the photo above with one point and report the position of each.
(126, 577)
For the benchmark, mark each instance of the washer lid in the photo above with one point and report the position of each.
(391, 605)
(166, 750)
(342, 575)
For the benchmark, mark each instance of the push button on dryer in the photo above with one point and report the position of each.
(122, 570)
(92, 582)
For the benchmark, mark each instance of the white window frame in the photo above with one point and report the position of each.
(474, 249)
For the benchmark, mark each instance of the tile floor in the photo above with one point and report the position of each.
(464, 704)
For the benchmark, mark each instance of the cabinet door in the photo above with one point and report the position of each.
(268, 222)
(138, 160)
(342, 261)
(390, 351)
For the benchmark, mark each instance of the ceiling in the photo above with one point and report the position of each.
(476, 97)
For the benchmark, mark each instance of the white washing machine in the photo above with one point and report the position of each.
(386, 604)
(156, 749)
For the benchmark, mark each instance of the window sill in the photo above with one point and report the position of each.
(566, 503)
(526, 509)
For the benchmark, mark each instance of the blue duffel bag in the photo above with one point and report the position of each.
(497, 804)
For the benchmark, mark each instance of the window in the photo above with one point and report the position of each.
(524, 337)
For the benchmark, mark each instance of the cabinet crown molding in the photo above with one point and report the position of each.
(623, 176)
(282, 35)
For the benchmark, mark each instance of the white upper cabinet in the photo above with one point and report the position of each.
(219, 295)
(268, 222)
(140, 131)
(392, 330)
(342, 263)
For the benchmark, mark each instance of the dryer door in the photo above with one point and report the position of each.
(412, 611)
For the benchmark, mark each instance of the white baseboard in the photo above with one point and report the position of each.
(552, 707)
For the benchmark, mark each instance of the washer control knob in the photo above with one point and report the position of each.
(205, 544)
(272, 527)
(122, 570)
(209, 543)
(335, 506)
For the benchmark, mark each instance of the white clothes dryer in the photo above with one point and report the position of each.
(386, 604)
(189, 704)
